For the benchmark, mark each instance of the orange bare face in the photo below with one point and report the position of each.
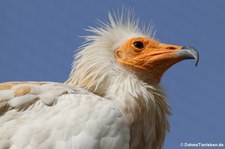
(150, 58)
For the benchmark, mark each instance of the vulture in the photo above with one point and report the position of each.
(111, 100)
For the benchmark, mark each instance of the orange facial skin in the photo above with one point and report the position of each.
(150, 60)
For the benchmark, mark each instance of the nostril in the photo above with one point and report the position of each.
(171, 48)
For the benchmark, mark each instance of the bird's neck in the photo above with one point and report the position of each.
(145, 108)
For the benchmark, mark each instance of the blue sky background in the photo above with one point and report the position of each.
(38, 39)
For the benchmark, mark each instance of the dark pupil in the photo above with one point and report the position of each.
(138, 45)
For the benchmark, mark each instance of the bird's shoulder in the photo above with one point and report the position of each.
(17, 95)
(55, 115)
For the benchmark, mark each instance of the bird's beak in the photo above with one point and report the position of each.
(165, 55)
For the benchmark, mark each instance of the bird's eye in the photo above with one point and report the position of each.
(138, 44)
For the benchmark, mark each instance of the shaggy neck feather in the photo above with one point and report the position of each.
(144, 106)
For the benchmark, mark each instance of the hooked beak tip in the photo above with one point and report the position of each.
(189, 53)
